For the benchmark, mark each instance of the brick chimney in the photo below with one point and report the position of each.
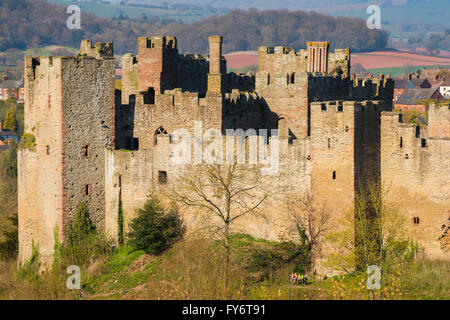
(318, 56)
(216, 70)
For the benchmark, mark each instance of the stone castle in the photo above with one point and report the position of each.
(107, 147)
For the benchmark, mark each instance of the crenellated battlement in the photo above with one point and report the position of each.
(157, 42)
(99, 50)
(171, 98)
(335, 134)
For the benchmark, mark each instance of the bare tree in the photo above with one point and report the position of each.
(225, 191)
(311, 222)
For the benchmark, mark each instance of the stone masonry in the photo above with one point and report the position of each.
(336, 134)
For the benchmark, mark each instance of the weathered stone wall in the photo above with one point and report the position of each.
(157, 63)
(130, 77)
(287, 98)
(40, 167)
(244, 82)
(415, 175)
(334, 137)
(193, 73)
(132, 174)
(89, 121)
(70, 105)
(439, 121)
(174, 110)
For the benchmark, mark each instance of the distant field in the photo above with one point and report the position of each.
(395, 72)
(393, 59)
(394, 62)
(111, 10)
(15, 58)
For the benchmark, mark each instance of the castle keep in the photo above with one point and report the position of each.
(109, 147)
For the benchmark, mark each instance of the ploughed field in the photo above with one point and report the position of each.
(369, 60)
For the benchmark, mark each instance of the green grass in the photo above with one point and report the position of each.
(193, 269)
(398, 71)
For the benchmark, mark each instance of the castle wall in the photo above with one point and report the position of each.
(130, 77)
(40, 185)
(89, 121)
(336, 134)
(286, 98)
(415, 171)
(174, 110)
(71, 105)
(193, 73)
(439, 121)
(138, 171)
(158, 63)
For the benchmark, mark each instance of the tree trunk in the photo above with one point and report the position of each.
(227, 254)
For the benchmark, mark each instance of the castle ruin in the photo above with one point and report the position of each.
(104, 146)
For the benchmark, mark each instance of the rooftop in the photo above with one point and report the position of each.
(410, 96)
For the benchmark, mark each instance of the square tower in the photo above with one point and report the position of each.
(69, 113)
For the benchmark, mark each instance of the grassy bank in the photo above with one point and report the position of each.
(194, 269)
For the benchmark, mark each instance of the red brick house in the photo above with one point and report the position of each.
(410, 97)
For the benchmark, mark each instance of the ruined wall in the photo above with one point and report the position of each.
(40, 187)
(70, 105)
(157, 63)
(99, 50)
(287, 98)
(415, 171)
(89, 121)
(130, 77)
(138, 172)
(439, 121)
(246, 110)
(172, 110)
(193, 73)
(244, 82)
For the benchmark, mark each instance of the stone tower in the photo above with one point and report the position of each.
(69, 109)
(158, 63)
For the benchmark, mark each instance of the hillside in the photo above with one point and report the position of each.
(33, 24)
(401, 18)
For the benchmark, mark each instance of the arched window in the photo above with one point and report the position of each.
(159, 131)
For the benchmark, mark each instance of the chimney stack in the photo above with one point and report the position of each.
(216, 68)
(318, 56)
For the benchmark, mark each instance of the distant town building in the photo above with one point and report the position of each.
(444, 89)
(412, 82)
(410, 98)
(11, 89)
